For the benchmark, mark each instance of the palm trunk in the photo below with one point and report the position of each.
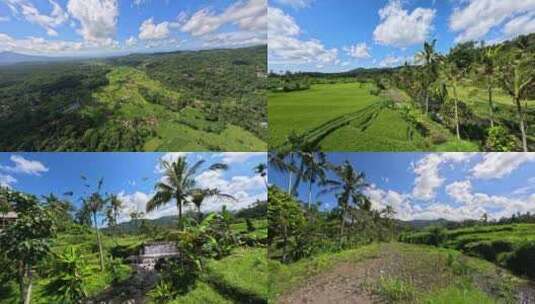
(456, 114)
(309, 193)
(342, 225)
(491, 106)
(426, 102)
(179, 206)
(522, 124)
(28, 292)
(99, 242)
(290, 183)
(285, 243)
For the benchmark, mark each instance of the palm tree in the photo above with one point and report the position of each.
(348, 188)
(489, 68)
(516, 76)
(200, 195)
(261, 169)
(429, 58)
(453, 75)
(95, 203)
(179, 184)
(114, 209)
(316, 166)
(283, 162)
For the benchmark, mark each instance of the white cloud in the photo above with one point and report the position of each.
(498, 165)
(401, 203)
(296, 3)
(151, 31)
(286, 46)
(38, 45)
(98, 19)
(474, 19)
(239, 157)
(4, 18)
(49, 22)
(391, 61)
(25, 166)
(400, 28)
(7, 180)
(521, 25)
(428, 177)
(250, 16)
(460, 191)
(359, 51)
(131, 41)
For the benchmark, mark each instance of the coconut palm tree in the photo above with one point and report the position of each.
(516, 75)
(200, 195)
(489, 69)
(114, 209)
(95, 203)
(179, 184)
(316, 167)
(284, 162)
(453, 75)
(261, 169)
(429, 58)
(348, 188)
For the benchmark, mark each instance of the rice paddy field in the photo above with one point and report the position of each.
(185, 130)
(347, 117)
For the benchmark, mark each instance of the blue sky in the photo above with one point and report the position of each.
(454, 186)
(96, 27)
(337, 35)
(130, 175)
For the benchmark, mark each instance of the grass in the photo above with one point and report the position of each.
(187, 129)
(347, 117)
(404, 273)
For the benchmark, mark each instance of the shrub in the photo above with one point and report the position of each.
(522, 260)
(499, 140)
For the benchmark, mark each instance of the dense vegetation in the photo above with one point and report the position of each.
(475, 97)
(350, 253)
(56, 254)
(203, 100)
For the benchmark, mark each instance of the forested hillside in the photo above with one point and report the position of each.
(195, 100)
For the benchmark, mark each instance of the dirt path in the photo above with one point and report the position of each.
(354, 282)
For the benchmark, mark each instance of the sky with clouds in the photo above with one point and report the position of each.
(99, 27)
(453, 186)
(338, 35)
(130, 175)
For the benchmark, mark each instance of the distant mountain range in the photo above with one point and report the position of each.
(12, 58)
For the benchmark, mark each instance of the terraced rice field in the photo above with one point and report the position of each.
(347, 117)
(125, 98)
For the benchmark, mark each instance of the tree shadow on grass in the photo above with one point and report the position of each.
(236, 294)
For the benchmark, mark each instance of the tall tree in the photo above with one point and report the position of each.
(490, 55)
(348, 187)
(27, 241)
(179, 183)
(429, 58)
(261, 169)
(283, 162)
(114, 210)
(516, 75)
(94, 203)
(316, 167)
(200, 195)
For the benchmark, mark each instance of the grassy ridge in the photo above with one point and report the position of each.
(511, 246)
(404, 274)
(347, 117)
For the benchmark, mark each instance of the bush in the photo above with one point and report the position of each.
(522, 260)
(489, 250)
(499, 140)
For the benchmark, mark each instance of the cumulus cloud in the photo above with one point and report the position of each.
(239, 157)
(401, 28)
(7, 181)
(400, 202)
(25, 166)
(49, 22)
(97, 18)
(250, 16)
(151, 31)
(4, 18)
(284, 44)
(391, 61)
(498, 165)
(38, 45)
(131, 41)
(295, 3)
(474, 19)
(427, 171)
(359, 51)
